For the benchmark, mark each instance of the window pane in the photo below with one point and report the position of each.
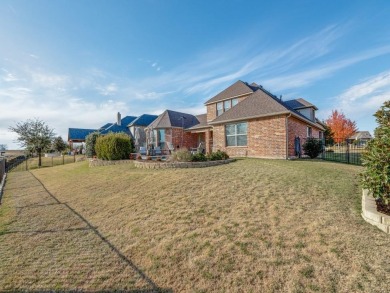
(230, 129)
(219, 112)
(241, 128)
(230, 140)
(234, 102)
(227, 105)
(161, 135)
(219, 106)
(241, 140)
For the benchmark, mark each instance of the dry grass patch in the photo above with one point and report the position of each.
(250, 226)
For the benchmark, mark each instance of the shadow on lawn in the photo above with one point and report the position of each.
(92, 291)
(127, 261)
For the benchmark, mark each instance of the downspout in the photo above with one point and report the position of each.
(289, 115)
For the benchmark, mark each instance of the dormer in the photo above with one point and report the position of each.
(303, 107)
(228, 98)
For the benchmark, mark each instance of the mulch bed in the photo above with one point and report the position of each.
(382, 207)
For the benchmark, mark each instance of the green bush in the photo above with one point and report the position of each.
(218, 155)
(198, 157)
(114, 146)
(312, 147)
(90, 142)
(181, 155)
(376, 161)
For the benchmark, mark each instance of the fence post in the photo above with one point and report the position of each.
(347, 153)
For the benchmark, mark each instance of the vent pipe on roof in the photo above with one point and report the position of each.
(118, 119)
(281, 97)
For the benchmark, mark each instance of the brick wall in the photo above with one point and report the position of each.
(211, 112)
(266, 139)
(190, 140)
(298, 128)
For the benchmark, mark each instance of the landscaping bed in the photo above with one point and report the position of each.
(149, 164)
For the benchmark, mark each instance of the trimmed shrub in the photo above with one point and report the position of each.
(376, 161)
(312, 147)
(114, 146)
(218, 155)
(181, 155)
(198, 157)
(90, 142)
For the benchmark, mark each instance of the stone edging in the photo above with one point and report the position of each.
(2, 184)
(371, 215)
(172, 165)
(97, 163)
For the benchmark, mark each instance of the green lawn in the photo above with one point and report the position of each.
(249, 226)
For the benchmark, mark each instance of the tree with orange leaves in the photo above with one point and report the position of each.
(341, 126)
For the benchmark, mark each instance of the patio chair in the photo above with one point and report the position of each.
(142, 150)
(157, 151)
(201, 148)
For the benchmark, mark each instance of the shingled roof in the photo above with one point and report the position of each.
(238, 88)
(78, 133)
(257, 104)
(261, 103)
(143, 120)
(202, 118)
(299, 104)
(174, 119)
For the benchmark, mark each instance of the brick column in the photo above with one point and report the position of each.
(207, 140)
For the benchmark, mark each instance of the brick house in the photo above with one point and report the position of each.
(168, 130)
(247, 120)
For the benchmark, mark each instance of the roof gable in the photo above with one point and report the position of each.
(236, 89)
(174, 119)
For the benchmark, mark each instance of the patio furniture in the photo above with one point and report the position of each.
(142, 150)
(157, 151)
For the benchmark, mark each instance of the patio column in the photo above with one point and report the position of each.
(207, 139)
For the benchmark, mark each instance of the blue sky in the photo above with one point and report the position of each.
(77, 63)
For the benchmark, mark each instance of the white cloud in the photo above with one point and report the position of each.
(367, 96)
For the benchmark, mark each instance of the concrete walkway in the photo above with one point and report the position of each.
(49, 246)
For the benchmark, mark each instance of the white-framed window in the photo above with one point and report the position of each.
(236, 134)
(226, 105)
(309, 132)
(219, 108)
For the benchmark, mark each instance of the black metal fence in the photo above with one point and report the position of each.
(29, 163)
(344, 151)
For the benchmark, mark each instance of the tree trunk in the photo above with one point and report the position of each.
(39, 159)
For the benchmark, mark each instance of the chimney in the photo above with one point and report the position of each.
(118, 119)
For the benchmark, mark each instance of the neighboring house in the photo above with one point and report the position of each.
(138, 125)
(247, 120)
(78, 135)
(169, 130)
(361, 138)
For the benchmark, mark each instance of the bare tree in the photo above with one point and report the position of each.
(3, 147)
(34, 135)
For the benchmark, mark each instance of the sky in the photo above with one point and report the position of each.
(77, 63)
